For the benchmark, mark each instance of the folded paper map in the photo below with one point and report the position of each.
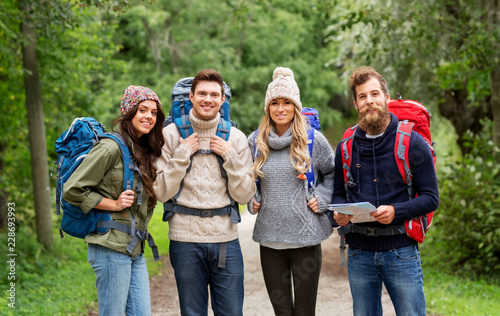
(361, 211)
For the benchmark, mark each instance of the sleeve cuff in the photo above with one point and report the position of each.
(398, 212)
(185, 148)
(230, 154)
(90, 202)
(322, 206)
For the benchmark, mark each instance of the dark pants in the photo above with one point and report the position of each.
(292, 269)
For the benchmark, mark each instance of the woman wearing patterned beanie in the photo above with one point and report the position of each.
(121, 274)
(291, 220)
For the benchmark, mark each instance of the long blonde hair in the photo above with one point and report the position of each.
(299, 156)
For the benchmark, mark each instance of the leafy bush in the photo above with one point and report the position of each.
(468, 218)
(57, 281)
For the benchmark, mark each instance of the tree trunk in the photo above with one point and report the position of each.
(36, 127)
(171, 45)
(155, 46)
(494, 26)
(495, 103)
(456, 108)
(4, 196)
(4, 199)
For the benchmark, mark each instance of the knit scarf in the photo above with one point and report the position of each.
(279, 142)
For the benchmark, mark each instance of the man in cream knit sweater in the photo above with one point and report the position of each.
(204, 247)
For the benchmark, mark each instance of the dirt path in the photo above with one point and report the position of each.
(334, 296)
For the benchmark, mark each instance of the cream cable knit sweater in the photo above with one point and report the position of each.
(203, 187)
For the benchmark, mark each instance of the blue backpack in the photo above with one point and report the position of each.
(179, 114)
(312, 117)
(72, 147)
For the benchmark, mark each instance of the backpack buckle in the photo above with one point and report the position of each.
(371, 231)
(206, 213)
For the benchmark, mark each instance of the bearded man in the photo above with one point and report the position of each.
(377, 253)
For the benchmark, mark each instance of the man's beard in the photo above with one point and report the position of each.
(374, 123)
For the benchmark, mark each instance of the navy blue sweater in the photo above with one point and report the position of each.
(378, 181)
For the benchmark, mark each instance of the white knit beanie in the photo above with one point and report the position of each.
(283, 86)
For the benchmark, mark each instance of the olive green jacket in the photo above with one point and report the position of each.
(101, 175)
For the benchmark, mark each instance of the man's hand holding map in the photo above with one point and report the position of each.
(361, 211)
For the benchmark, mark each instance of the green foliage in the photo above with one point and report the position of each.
(14, 152)
(456, 296)
(72, 61)
(422, 48)
(49, 282)
(467, 223)
(167, 40)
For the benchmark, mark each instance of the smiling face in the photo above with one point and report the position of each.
(371, 104)
(207, 99)
(281, 112)
(145, 117)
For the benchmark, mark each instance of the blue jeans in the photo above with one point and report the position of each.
(196, 267)
(122, 282)
(399, 269)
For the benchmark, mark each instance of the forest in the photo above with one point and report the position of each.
(65, 59)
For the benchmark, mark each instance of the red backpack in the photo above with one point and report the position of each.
(411, 115)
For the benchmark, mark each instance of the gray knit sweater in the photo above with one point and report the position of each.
(284, 217)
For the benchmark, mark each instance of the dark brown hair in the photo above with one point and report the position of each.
(146, 149)
(362, 75)
(208, 75)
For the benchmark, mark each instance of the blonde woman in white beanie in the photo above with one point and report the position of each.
(291, 220)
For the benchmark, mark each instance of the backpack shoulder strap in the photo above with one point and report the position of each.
(223, 129)
(183, 125)
(310, 145)
(256, 154)
(401, 153)
(255, 148)
(128, 164)
(185, 128)
(346, 148)
(128, 180)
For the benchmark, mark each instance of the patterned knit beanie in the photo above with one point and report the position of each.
(283, 86)
(134, 95)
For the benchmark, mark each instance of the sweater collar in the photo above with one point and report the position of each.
(276, 142)
(203, 124)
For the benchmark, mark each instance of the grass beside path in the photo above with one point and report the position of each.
(54, 282)
(159, 230)
(60, 281)
(452, 295)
